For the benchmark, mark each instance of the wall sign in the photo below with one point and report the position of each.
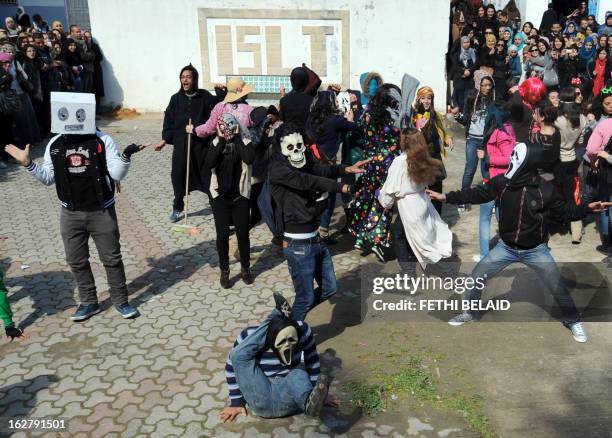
(273, 42)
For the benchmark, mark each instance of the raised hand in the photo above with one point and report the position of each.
(22, 156)
(132, 149)
(357, 167)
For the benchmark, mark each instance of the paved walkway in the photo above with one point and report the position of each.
(162, 374)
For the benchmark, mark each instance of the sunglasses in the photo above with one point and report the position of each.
(606, 91)
(489, 33)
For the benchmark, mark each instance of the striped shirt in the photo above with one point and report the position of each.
(271, 366)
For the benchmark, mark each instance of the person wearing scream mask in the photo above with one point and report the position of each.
(524, 230)
(194, 104)
(429, 122)
(274, 369)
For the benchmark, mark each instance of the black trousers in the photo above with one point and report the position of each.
(225, 210)
(255, 213)
(437, 187)
(405, 256)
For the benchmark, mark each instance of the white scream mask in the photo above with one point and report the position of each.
(292, 147)
(285, 343)
(516, 159)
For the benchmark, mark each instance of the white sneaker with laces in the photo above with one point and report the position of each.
(578, 332)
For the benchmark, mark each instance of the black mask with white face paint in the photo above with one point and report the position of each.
(283, 338)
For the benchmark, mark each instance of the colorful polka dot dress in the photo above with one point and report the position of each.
(369, 222)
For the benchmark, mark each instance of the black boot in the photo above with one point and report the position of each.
(246, 275)
(281, 304)
(224, 280)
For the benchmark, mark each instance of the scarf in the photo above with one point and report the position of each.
(600, 80)
(587, 55)
(522, 36)
(467, 54)
(420, 120)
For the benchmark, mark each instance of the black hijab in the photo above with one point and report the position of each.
(71, 58)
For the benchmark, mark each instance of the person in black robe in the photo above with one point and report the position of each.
(196, 104)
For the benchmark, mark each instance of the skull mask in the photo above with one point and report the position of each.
(282, 339)
(292, 147)
(227, 125)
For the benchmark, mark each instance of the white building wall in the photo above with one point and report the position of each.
(146, 42)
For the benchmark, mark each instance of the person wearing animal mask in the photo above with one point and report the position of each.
(299, 182)
(230, 160)
(84, 164)
(526, 202)
(274, 369)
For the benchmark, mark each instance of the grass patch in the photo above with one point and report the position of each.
(412, 378)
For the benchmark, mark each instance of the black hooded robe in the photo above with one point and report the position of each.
(176, 118)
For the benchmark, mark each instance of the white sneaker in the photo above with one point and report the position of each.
(578, 332)
(476, 258)
(462, 318)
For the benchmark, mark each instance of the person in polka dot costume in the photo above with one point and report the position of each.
(369, 221)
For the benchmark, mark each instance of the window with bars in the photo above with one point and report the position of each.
(8, 2)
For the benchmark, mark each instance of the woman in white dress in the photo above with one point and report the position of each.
(426, 238)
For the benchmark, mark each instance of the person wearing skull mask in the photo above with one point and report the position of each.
(524, 231)
(230, 160)
(84, 168)
(298, 182)
(195, 104)
(265, 369)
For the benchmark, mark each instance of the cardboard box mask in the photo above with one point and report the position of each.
(73, 113)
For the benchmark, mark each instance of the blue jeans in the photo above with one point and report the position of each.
(471, 162)
(268, 397)
(309, 260)
(605, 217)
(329, 210)
(538, 259)
(486, 210)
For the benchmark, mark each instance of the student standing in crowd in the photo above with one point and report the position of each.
(189, 104)
(327, 126)
(230, 160)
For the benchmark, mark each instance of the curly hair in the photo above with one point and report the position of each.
(377, 108)
(422, 168)
(323, 106)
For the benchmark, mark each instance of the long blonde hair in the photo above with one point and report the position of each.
(422, 168)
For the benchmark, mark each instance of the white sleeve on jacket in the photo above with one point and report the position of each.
(117, 165)
(44, 172)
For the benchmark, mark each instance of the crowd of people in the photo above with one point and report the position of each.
(38, 59)
(537, 110)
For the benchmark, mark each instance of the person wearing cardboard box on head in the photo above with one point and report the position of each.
(84, 163)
